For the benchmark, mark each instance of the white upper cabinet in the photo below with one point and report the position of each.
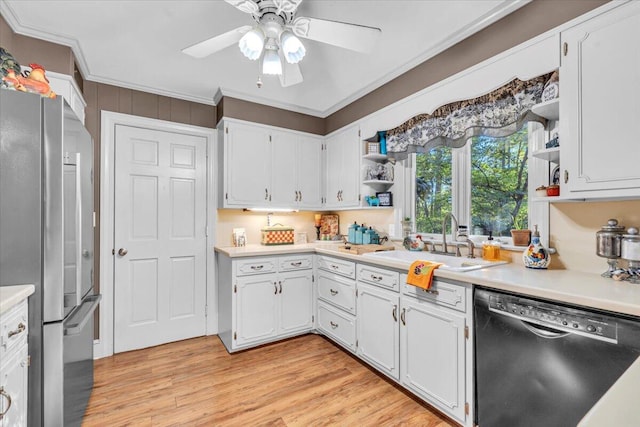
(599, 106)
(267, 167)
(343, 168)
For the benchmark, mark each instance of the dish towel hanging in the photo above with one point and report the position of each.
(421, 273)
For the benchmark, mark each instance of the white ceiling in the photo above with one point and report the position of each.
(137, 44)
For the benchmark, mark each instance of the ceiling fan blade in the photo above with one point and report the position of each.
(288, 6)
(359, 38)
(246, 6)
(214, 44)
(291, 74)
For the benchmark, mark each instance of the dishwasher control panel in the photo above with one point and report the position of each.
(554, 316)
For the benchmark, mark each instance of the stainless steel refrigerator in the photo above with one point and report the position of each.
(46, 238)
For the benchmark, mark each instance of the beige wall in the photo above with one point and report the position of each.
(574, 226)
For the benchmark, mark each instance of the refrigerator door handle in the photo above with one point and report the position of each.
(74, 324)
(78, 224)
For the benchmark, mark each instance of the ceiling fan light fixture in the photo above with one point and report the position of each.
(271, 63)
(292, 47)
(251, 44)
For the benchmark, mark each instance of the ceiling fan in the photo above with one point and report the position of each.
(274, 38)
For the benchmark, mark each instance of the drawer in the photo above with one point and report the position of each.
(443, 293)
(296, 262)
(337, 325)
(249, 266)
(338, 291)
(14, 328)
(338, 266)
(378, 276)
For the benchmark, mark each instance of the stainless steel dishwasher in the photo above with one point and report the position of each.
(540, 363)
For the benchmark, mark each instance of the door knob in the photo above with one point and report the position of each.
(122, 251)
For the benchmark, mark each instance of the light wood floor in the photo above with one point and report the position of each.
(305, 381)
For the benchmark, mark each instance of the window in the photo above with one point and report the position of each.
(499, 184)
(433, 189)
(485, 184)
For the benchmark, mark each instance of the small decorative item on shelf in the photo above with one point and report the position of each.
(382, 138)
(553, 190)
(385, 198)
(317, 221)
(553, 142)
(536, 256)
(541, 191)
(552, 88)
(239, 237)
(372, 200)
(373, 148)
(521, 237)
(416, 243)
(7, 63)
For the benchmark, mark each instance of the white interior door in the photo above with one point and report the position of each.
(159, 236)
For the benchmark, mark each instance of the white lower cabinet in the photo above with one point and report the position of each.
(432, 349)
(14, 366)
(378, 335)
(264, 299)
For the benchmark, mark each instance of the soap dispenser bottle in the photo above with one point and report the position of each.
(536, 255)
(491, 249)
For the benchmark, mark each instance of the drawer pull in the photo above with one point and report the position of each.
(376, 278)
(8, 397)
(21, 328)
(402, 318)
(395, 312)
(333, 325)
(275, 285)
(432, 291)
(280, 284)
(257, 267)
(335, 267)
(333, 292)
(296, 264)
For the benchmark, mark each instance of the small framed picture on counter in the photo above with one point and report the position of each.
(385, 198)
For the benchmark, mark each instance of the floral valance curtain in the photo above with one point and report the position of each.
(498, 113)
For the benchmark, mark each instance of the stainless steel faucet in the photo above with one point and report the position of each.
(454, 231)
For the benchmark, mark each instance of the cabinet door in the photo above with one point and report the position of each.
(343, 168)
(296, 301)
(248, 165)
(284, 161)
(432, 354)
(256, 311)
(377, 322)
(309, 162)
(14, 383)
(599, 104)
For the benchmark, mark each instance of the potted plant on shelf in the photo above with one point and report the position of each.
(521, 237)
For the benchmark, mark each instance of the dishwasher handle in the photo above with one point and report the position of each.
(544, 332)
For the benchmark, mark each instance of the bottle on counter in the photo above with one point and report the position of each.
(491, 249)
(536, 255)
(351, 233)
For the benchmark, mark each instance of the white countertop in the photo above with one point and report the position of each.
(618, 406)
(573, 287)
(12, 295)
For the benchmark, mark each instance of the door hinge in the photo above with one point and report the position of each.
(356, 293)
(466, 408)
(313, 278)
(29, 360)
(113, 251)
(206, 310)
(565, 48)
(356, 343)
(466, 332)
(235, 289)
(269, 138)
(313, 318)
(359, 197)
(235, 336)
(206, 231)
(226, 130)
(359, 132)
(566, 176)
(226, 196)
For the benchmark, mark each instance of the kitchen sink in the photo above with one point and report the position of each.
(451, 263)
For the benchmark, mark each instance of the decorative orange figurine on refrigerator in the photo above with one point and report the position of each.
(36, 82)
